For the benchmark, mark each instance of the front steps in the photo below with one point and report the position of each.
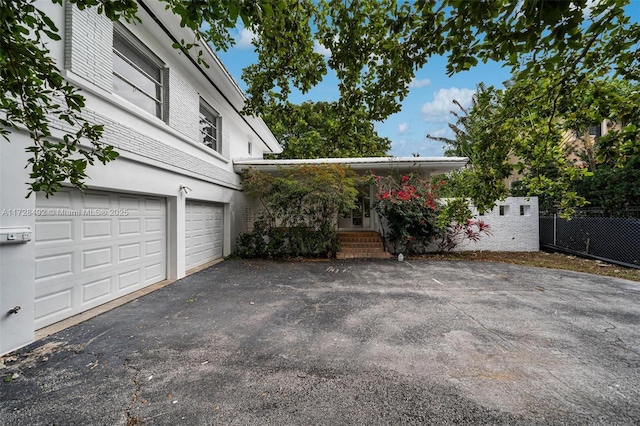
(361, 245)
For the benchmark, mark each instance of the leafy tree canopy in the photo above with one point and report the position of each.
(531, 131)
(324, 130)
(376, 46)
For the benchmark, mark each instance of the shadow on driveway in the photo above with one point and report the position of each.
(344, 342)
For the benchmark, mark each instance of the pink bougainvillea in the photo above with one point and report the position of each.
(414, 219)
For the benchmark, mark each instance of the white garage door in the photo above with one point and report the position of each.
(94, 247)
(203, 239)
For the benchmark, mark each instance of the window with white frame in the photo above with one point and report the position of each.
(137, 72)
(210, 134)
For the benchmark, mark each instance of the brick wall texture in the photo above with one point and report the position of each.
(183, 105)
(88, 45)
(88, 53)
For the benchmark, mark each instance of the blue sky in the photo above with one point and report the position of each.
(426, 110)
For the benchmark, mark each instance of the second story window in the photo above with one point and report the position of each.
(210, 134)
(137, 73)
(595, 131)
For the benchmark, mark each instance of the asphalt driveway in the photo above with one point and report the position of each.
(344, 342)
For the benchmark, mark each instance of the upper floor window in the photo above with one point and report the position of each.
(137, 73)
(210, 134)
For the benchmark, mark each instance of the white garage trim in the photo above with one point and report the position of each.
(94, 247)
(204, 225)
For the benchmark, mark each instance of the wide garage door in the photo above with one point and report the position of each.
(203, 239)
(94, 247)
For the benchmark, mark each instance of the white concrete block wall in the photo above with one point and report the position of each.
(183, 105)
(88, 42)
(511, 230)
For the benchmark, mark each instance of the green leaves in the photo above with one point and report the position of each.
(300, 209)
(34, 93)
(324, 130)
(375, 49)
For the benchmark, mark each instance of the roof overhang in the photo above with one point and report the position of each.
(215, 72)
(378, 165)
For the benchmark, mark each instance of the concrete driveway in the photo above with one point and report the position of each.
(345, 342)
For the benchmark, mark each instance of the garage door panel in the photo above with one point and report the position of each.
(96, 228)
(58, 265)
(97, 291)
(54, 306)
(153, 273)
(97, 201)
(153, 205)
(129, 227)
(131, 204)
(54, 231)
(153, 225)
(96, 258)
(196, 225)
(62, 200)
(129, 279)
(203, 233)
(129, 252)
(90, 260)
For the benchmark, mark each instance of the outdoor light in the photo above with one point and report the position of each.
(185, 189)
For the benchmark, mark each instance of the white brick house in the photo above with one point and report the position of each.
(169, 203)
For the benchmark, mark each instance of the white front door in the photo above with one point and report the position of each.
(360, 216)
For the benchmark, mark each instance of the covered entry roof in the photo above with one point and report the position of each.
(379, 165)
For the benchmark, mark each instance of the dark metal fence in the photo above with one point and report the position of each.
(611, 239)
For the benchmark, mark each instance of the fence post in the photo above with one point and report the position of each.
(555, 228)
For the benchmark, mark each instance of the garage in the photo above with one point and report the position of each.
(204, 233)
(95, 247)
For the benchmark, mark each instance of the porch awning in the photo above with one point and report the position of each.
(379, 165)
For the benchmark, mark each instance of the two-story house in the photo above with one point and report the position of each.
(171, 202)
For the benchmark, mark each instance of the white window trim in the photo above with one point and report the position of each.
(144, 51)
(218, 126)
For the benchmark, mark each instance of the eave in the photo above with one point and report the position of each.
(378, 165)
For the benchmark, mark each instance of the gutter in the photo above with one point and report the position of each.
(366, 163)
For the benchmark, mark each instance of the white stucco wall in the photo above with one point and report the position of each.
(17, 262)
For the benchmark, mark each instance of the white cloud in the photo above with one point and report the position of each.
(319, 48)
(439, 109)
(244, 38)
(440, 132)
(587, 12)
(416, 84)
(402, 128)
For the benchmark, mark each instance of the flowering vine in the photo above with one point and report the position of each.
(413, 219)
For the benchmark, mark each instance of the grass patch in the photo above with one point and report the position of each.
(541, 259)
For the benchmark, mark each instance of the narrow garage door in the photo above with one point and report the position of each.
(94, 247)
(203, 239)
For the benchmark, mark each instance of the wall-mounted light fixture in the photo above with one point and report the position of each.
(185, 189)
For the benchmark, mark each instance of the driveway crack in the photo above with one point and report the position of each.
(133, 420)
(495, 333)
(617, 339)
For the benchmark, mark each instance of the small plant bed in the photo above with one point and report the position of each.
(541, 259)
